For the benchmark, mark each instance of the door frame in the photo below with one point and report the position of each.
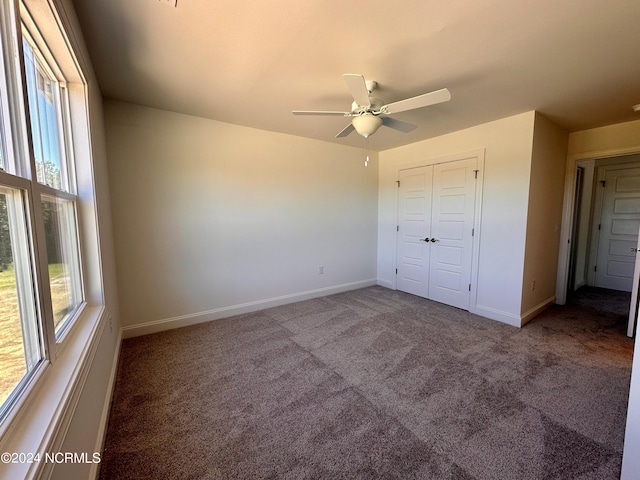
(477, 215)
(575, 224)
(568, 209)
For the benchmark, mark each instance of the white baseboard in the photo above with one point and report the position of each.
(385, 283)
(498, 315)
(229, 311)
(537, 310)
(512, 319)
(106, 410)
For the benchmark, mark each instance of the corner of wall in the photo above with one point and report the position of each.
(544, 215)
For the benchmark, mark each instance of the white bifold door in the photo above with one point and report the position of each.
(436, 211)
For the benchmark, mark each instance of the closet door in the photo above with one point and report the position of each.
(414, 224)
(435, 227)
(452, 217)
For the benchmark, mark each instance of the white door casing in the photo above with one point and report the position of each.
(436, 214)
(618, 233)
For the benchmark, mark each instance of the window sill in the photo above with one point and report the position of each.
(37, 424)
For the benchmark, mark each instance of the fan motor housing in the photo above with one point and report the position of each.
(376, 104)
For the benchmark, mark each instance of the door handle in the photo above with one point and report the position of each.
(434, 240)
(634, 250)
(425, 240)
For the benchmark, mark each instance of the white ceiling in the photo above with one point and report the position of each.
(251, 62)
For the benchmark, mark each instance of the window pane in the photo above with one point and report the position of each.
(20, 345)
(63, 258)
(44, 107)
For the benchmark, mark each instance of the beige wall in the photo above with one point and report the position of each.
(507, 145)
(213, 219)
(544, 217)
(605, 141)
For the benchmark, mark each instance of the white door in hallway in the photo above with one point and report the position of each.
(619, 226)
(435, 231)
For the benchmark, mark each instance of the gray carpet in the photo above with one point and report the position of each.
(374, 384)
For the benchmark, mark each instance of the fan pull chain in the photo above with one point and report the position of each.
(366, 160)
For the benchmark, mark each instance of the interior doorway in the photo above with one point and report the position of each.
(605, 225)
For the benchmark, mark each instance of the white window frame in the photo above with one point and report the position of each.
(31, 33)
(24, 267)
(16, 175)
(36, 419)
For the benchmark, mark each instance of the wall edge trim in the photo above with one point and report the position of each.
(106, 410)
(538, 309)
(161, 325)
(498, 315)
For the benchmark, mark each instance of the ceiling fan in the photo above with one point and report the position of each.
(369, 113)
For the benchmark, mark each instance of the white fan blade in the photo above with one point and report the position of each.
(345, 131)
(321, 112)
(398, 125)
(358, 88)
(420, 101)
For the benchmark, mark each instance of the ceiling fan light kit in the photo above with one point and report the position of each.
(366, 124)
(370, 113)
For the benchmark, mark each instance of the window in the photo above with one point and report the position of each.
(21, 347)
(46, 100)
(46, 117)
(62, 254)
(41, 274)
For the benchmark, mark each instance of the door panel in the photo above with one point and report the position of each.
(450, 255)
(619, 225)
(625, 227)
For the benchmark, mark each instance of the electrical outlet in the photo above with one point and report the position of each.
(320, 269)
